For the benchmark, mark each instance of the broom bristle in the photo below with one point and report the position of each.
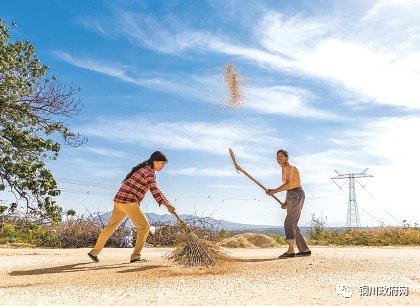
(194, 253)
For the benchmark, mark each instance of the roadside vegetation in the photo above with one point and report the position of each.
(69, 233)
(82, 231)
(406, 234)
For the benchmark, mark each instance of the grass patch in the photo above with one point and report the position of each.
(375, 237)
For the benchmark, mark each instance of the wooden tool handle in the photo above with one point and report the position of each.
(238, 168)
(183, 225)
(259, 184)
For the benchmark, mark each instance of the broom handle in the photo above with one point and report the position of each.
(258, 183)
(184, 227)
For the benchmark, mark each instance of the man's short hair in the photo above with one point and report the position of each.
(284, 152)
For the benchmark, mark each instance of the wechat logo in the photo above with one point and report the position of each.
(342, 289)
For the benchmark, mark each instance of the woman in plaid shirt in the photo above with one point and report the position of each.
(141, 179)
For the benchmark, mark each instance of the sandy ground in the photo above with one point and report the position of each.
(256, 277)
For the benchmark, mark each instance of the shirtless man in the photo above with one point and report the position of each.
(295, 197)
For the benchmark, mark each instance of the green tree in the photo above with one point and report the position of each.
(33, 108)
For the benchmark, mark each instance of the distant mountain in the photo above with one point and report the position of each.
(216, 224)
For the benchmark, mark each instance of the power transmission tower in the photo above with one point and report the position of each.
(353, 219)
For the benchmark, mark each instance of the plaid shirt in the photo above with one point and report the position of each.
(134, 188)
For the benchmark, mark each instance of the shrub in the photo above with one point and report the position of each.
(317, 225)
(8, 233)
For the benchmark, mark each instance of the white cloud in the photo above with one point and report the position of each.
(372, 74)
(92, 23)
(174, 37)
(374, 55)
(208, 137)
(166, 36)
(89, 169)
(113, 70)
(285, 100)
(253, 167)
(191, 86)
(291, 36)
(193, 171)
(105, 152)
(394, 139)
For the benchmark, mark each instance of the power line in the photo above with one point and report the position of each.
(322, 196)
(85, 183)
(176, 195)
(379, 221)
(87, 192)
(399, 222)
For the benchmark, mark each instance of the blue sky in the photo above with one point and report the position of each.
(333, 82)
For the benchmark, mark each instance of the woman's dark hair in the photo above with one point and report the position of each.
(156, 156)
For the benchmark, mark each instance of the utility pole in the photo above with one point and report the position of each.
(353, 219)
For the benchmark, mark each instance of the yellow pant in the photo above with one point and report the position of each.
(137, 217)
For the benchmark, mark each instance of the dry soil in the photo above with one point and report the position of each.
(32, 276)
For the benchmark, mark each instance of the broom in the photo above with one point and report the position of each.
(238, 168)
(194, 253)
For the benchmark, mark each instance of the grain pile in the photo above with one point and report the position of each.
(235, 87)
(249, 241)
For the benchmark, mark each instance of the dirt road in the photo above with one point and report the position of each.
(256, 277)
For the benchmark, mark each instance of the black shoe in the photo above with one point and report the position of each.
(94, 258)
(307, 253)
(140, 259)
(287, 255)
